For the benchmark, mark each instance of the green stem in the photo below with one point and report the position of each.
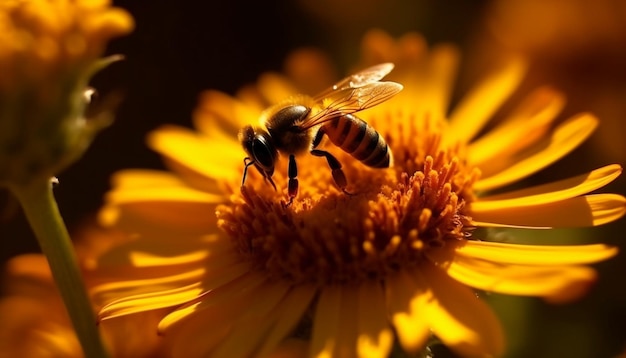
(43, 215)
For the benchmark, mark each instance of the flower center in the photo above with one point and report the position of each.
(393, 218)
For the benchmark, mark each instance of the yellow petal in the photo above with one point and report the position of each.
(288, 314)
(252, 323)
(162, 199)
(429, 89)
(558, 283)
(521, 128)
(479, 105)
(346, 338)
(148, 218)
(563, 140)
(235, 290)
(589, 210)
(219, 111)
(460, 319)
(326, 323)
(183, 340)
(141, 178)
(153, 300)
(406, 302)
(242, 340)
(175, 192)
(542, 255)
(218, 160)
(276, 88)
(375, 336)
(149, 259)
(163, 253)
(552, 192)
(157, 179)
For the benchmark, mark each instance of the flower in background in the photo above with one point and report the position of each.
(35, 323)
(578, 45)
(48, 52)
(49, 49)
(346, 275)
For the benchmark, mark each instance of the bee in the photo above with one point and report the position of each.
(298, 125)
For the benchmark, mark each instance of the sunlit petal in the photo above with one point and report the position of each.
(141, 217)
(276, 88)
(219, 112)
(406, 304)
(211, 158)
(521, 128)
(478, 106)
(471, 328)
(559, 283)
(563, 140)
(431, 82)
(540, 255)
(375, 336)
(550, 193)
(589, 210)
(236, 289)
(152, 300)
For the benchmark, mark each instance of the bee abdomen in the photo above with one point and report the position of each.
(357, 138)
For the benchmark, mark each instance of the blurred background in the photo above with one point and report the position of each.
(182, 48)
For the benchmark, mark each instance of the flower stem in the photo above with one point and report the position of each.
(42, 212)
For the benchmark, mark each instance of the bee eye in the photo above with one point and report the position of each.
(263, 153)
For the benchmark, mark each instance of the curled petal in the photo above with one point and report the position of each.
(563, 140)
(538, 255)
(552, 192)
(589, 210)
(230, 292)
(556, 283)
(152, 300)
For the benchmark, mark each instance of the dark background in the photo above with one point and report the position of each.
(179, 49)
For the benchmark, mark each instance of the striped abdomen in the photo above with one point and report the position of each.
(357, 138)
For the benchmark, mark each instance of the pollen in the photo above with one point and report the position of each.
(389, 221)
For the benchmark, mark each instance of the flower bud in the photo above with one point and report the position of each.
(49, 50)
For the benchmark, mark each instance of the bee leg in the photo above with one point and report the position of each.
(338, 176)
(293, 180)
(318, 138)
(246, 162)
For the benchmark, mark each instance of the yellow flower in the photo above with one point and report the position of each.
(49, 49)
(352, 273)
(34, 320)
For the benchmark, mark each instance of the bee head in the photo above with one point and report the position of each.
(260, 148)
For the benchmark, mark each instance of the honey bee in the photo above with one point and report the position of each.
(298, 125)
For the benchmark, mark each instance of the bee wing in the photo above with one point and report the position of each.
(360, 79)
(351, 100)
